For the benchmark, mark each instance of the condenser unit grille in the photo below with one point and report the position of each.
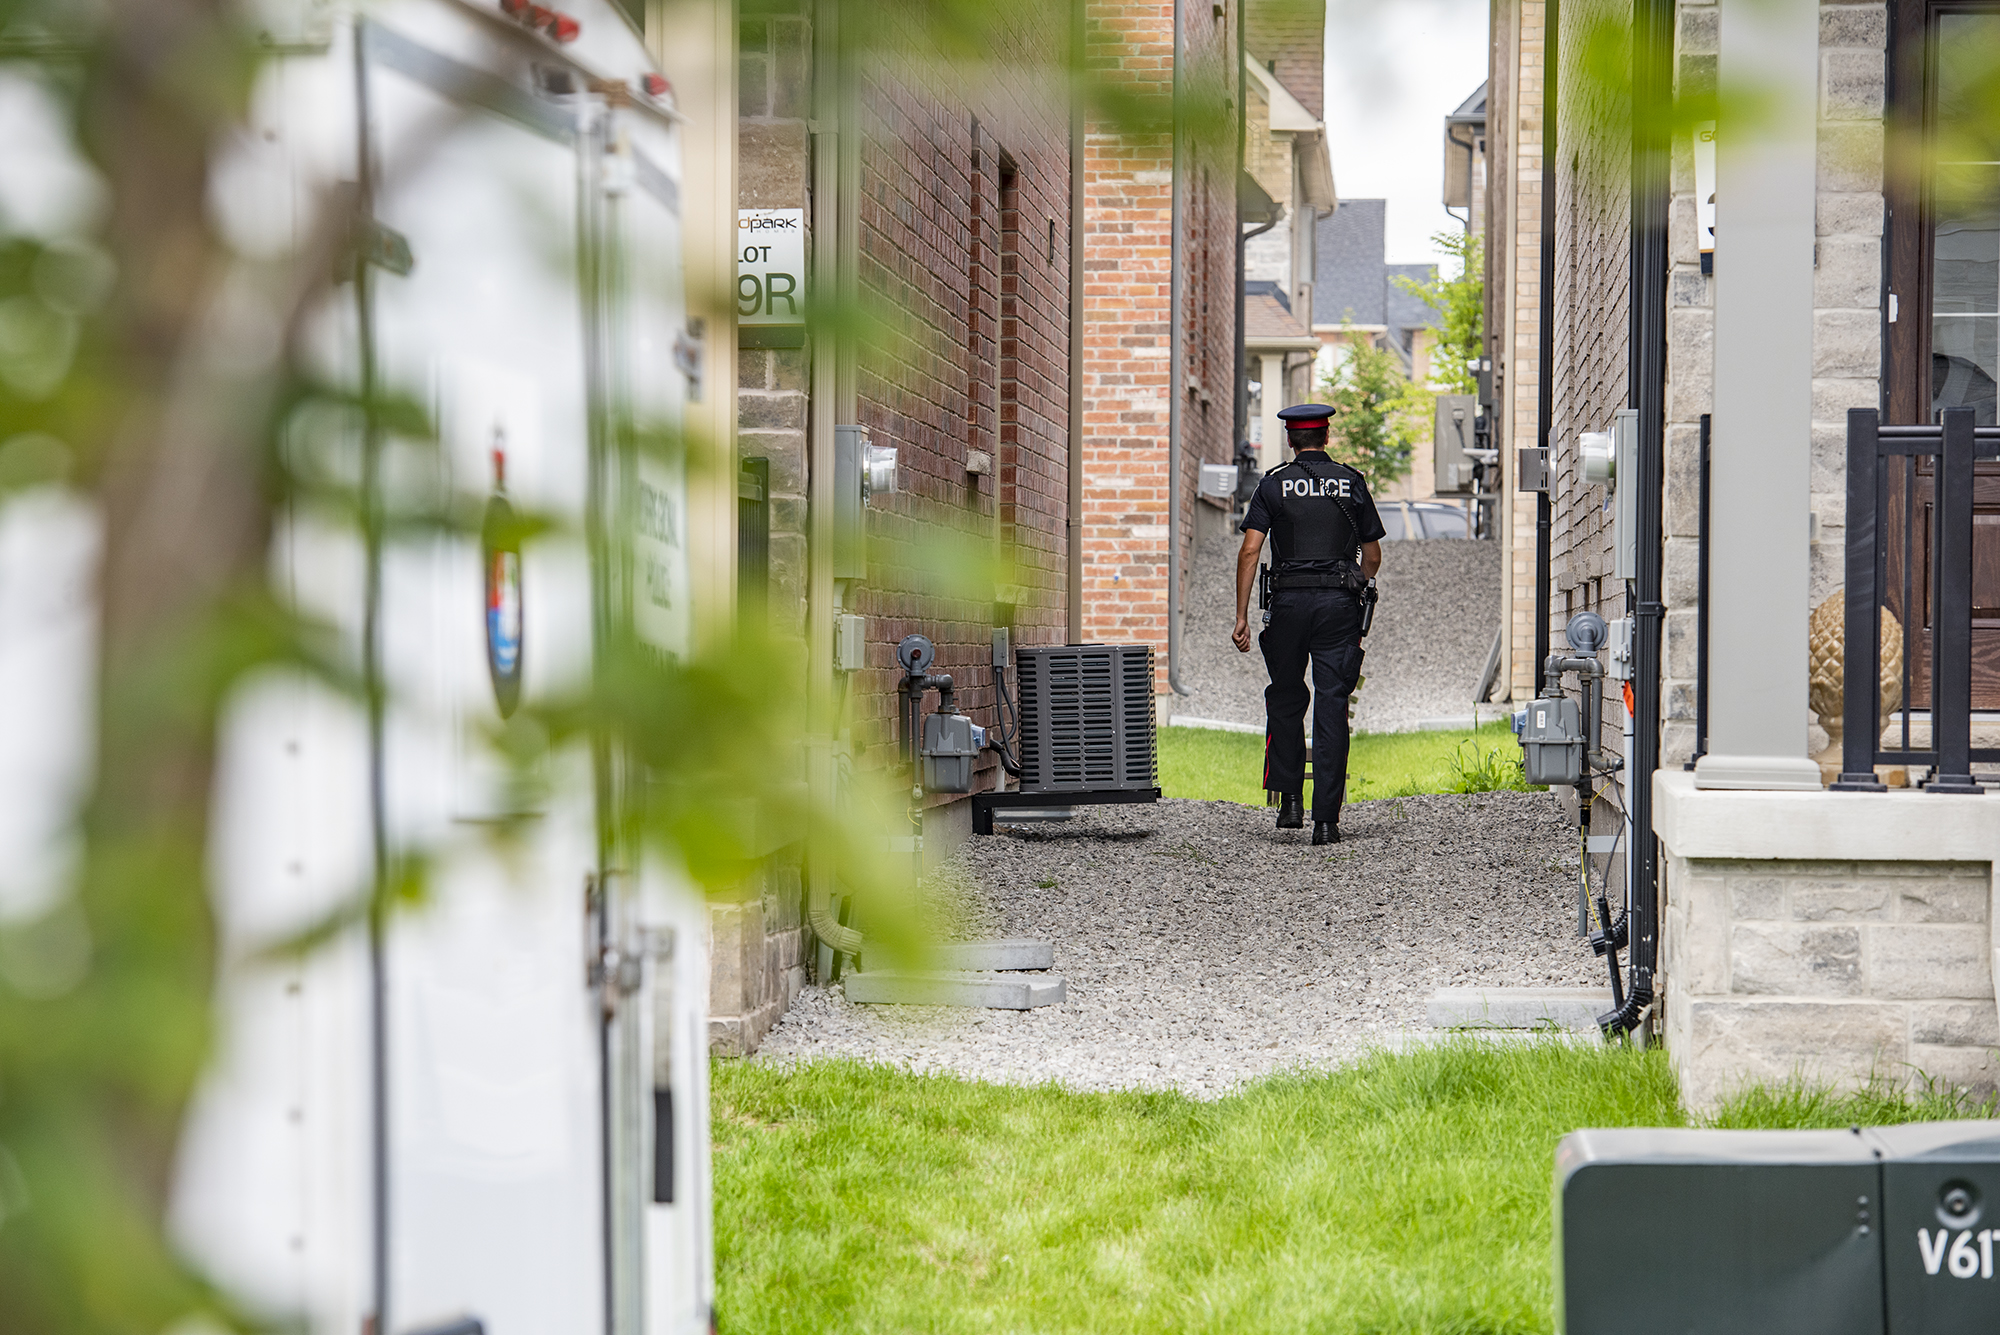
(1087, 718)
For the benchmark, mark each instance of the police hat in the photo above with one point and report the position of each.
(1305, 416)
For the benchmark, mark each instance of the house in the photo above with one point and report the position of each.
(1758, 293)
(1358, 297)
(938, 213)
(1465, 160)
(1287, 190)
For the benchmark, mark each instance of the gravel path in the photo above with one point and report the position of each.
(1202, 948)
(1433, 628)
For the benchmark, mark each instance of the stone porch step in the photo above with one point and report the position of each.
(1573, 1008)
(956, 987)
(1006, 953)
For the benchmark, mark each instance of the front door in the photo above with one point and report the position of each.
(1944, 283)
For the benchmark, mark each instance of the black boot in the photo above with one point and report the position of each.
(1325, 832)
(1291, 811)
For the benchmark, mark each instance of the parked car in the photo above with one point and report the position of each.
(1421, 519)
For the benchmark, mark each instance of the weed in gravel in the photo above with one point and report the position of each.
(1478, 769)
(1187, 850)
(1046, 883)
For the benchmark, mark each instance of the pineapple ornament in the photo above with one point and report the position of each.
(1826, 678)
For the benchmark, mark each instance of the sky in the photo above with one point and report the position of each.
(1394, 68)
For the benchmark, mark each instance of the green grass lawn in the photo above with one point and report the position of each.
(1229, 766)
(1405, 1194)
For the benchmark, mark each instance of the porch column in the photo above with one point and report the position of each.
(1271, 452)
(1764, 199)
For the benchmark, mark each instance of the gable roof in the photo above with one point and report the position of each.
(1287, 112)
(1404, 310)
(1353, 283)
(1472, 111)
(1347, 284)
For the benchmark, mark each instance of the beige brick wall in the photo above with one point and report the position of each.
(1833, 972)
(1514, 129)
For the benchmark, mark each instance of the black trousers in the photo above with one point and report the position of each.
(1323, 627)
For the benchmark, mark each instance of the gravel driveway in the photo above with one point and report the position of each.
(1433, 629)
(1202, 948)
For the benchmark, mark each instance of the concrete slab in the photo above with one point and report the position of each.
(1012, 953)
(1572, 1008)
(951, 987)
(1214, 724)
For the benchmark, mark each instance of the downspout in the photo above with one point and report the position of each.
(1079, 205)
(380, 1218)
(826, 353)
(1241, 428)
(1176, 387)
(1652, 54)
(1545, 389)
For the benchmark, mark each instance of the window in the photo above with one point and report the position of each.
(1944, 212)
(1965, 218)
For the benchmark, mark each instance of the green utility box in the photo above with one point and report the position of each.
(1876, 1231)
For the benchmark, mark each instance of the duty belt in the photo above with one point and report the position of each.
(1342, 576)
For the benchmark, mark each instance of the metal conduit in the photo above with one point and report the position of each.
(1652, 55)
(1078, 213)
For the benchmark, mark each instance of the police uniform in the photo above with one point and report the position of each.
(1316, 514)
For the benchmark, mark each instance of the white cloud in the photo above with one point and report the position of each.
(1394, 68)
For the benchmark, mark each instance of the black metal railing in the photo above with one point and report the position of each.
(1906, 484)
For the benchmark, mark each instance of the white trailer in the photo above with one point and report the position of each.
(488, 1112)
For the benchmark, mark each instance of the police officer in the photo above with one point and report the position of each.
(1325, 548)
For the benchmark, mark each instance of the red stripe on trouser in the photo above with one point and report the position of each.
(1267, 756)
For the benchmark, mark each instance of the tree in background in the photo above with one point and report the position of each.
(1379, 414)
(1460, 303)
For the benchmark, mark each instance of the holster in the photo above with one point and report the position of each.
(1264, 588)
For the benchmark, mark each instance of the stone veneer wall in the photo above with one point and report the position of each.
(1832, 972)
(1847, 320)
(757, 956)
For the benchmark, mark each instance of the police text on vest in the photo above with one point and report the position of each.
(1316, 486)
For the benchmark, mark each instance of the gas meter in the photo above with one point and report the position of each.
(1552, 741)
(951, 743)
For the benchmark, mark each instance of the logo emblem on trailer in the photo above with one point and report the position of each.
(500, 545)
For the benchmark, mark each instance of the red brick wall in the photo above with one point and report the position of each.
(1127, 276)
(1290, 37)
(969, 352)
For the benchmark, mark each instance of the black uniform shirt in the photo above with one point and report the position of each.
(1316, 511)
